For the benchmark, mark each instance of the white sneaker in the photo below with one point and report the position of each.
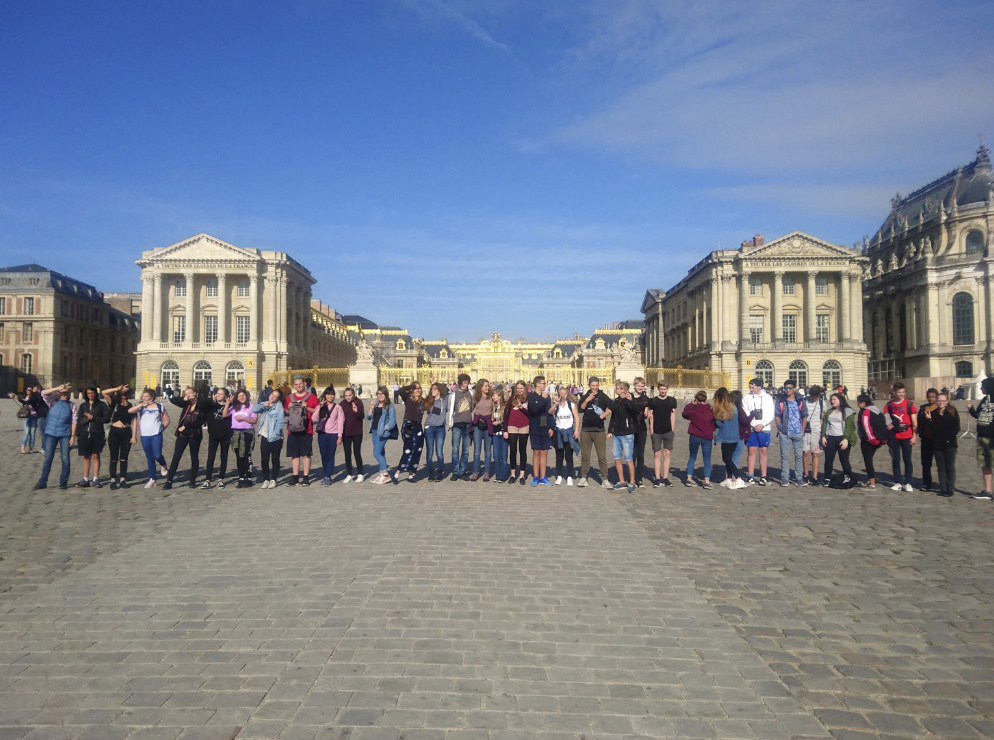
(897, 487)
(737, 484)
(569, 481)
(727, 483)
(559, 480)
(348, 479)
(581, 483)
(908, 487)
(360, 478)
(272, 483)
(164, 471)
(151, 483)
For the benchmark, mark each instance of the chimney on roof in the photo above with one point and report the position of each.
(746, 243)
(758, 240)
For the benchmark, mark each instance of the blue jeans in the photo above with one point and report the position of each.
(704, 445)
(152, 445)
(484, 438)
(434, 441)
(791, 445)
(30, 430)
(501, 468)
(328, 444)
(460, 450)
(49, 444)
(379, 451)
(737, 455)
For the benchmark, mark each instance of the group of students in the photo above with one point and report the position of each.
(501, 423)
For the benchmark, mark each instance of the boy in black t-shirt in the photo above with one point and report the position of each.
(662, 414)
(595, 407)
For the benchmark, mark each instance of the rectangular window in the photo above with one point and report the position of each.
(821, 285)
(29, 306)
(821, 327)
(210, 329)
(788, 286)
(212, 288)
(3, 306)
(65, 309)
(755, 285)
(756, 329)
(179, 329)
(243, 289)
(242, 329)
(2, 334)
(790, 328)
(28, 332)
(26, 364)
(180, 288)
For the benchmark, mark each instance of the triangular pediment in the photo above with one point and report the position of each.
(204, 247)
(652, 297)
(797, 244)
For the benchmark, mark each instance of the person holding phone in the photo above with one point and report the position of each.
(437, 409)
(758, 405)
(122, 435)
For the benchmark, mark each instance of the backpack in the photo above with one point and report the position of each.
(297, 416)
(878, 425)
(842, 481)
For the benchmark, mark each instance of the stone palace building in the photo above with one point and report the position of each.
(219, 314)
(788, 308)
(56, 329)
(928, 304)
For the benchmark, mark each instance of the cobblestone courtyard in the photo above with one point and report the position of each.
(473, 610)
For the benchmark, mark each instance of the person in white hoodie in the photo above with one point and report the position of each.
(758, 405)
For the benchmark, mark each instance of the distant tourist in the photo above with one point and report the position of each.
(499, 406)
(153, 420)
(382, 428)
(122, 435)
(925, 435)
(353, 417)
(459, 421)
(838, 436)
(189, 433)
(641, 401)
(567, 438)
(758, 405)
(625, 414)
(437, 407)
(271, 428)
(327, 420)
(482, 429)
(701, 431)
(983, 412)
(540, 430)
(517, 425)
(411, 432)
(812, 434)
(872, 430)
(662, 414)
(243, 420)
(217, 410)
(595, 407)
(729, 420)
(901, 416)
(91, 435)
(60, 432)
(791, 417)
(944, 422)
(299, 406)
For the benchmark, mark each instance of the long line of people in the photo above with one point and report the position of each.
(500, 424)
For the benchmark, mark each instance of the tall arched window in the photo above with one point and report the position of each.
(831, 374)
(764, 371)
(963, 318)
(169, 375)
(798, 372)
(974, 243)
(234, 374)
(202, 371)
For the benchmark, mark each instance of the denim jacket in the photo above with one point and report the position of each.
(271, 420)
(388, 420)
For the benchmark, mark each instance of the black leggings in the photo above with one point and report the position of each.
(243, 462)
(869, 451)
(270, 458)
(728, 457)
(119, 445)
(181, 444)
(945, 461)
(518, 442)
(212, 447)
(352, 444)
(564, 454)
(834, 444)
(638, 453)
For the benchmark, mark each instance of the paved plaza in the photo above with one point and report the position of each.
(477, 610)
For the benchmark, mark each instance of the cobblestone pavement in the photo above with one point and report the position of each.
(473, 610)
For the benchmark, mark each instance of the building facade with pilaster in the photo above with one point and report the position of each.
(214, 313)
(788, 308)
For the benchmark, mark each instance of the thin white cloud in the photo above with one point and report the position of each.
(432, 10)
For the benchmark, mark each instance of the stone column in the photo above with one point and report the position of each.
(778, 306)
(716, 304)
(254, 308)
(856, 309)
(191, 308)
(222, 308)
(743, 309)
(270, 299)
(845, 293)
(660, 337)
(810, 299)
(157, 308)
(148, 307)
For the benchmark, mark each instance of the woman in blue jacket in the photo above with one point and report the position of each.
(272, 420)
(382, 428)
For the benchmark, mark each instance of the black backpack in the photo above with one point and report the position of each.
(842, 481)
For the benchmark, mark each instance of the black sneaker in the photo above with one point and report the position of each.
(667, 482)
(925, 487)
(455, 477)
(113, 485)
(83, 483)
(523, 480)
(762, 481)
(512, 480)
(306, 481)
(40, 486)
(122, 485)
(656, 483)
(826, 482)
(192, 484)
(982, 496)
(166, 486)
(292, 481)
(63, 486)
(465, 477)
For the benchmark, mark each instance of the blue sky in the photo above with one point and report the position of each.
(463, 167)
